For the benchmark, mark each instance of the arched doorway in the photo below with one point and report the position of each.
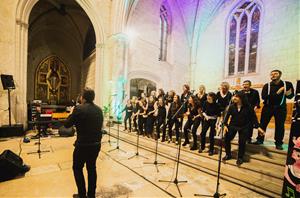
(23, 11)
(60, 38)
(141, 85)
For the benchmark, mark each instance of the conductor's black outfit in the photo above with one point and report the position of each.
(88, 119)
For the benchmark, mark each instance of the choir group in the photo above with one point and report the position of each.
(161, 115)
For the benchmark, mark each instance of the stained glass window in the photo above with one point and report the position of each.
(232, 39)
(254, 40)
(242, 44)
(164, 29)
(242, 40)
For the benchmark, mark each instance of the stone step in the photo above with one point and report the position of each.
(256, 152)
(259, 175)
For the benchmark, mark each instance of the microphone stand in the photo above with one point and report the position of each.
(118, 138)
(217, 194)
(176, 181)
(155, 159)
(39, 151)
(109, 124)
(137, 147)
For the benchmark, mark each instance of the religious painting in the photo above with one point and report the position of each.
(52, 81)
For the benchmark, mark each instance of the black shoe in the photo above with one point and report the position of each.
(227, 157)
(78, 196)
(249, 141)
(279, 147)
(200, 150)
(194, 147)
(258, 143)
(239, 161)
(210, 153)
(185, 143)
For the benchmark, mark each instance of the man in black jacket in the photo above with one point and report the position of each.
(274, 95)
(253, 98)
(88, 119)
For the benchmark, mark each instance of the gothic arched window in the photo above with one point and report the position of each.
(164, 29)
(242, 39)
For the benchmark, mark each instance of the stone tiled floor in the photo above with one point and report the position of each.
(51, 176)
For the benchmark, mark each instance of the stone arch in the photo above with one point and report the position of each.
(23, 11)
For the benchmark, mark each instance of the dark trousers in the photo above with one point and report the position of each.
(181, 123)
(243, 135)
(150, 124)
(135, 122)
(250, 132)
(280, 115)
(208, 124)
(194, 124)
(141, 124)
(127, 118)
(175, 121)
(85, 155)
(161, 122)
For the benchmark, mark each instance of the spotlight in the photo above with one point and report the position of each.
(131, 33)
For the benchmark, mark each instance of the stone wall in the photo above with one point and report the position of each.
(278, 45)
(88, 72)
(7, 49)
(144, 47)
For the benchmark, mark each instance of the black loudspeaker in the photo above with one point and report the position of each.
(11, 165)
(66, 132)
(13, 130)
(7, 81)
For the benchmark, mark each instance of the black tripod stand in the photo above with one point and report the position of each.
(109, 125)
(217, 194)
(118, 138)
(155, 159)
(137, 147)
(39, 151)
(176, 181)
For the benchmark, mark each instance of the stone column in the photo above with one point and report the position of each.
(119, 74)
(19, 104)
(100, 82)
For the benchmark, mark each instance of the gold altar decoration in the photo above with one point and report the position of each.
(52, 81)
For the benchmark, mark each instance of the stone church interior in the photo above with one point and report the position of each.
(150, 98)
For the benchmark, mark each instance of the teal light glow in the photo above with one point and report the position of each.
(120, 95)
